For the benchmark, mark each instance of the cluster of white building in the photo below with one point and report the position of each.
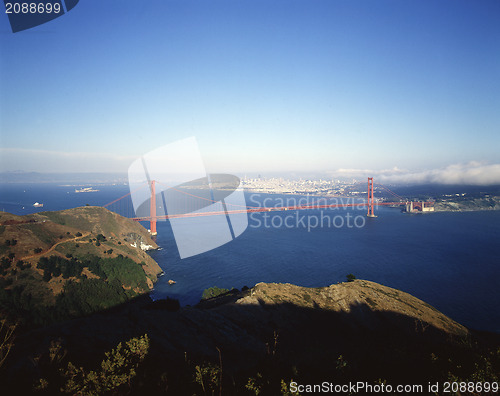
(286, 186)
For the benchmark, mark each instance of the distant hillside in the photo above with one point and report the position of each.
(468, 204)
(77, 260)
(258, 340)
(36, 177)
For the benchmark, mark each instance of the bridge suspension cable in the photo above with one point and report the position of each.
(125, 196)
(153, 217)
(390, 191)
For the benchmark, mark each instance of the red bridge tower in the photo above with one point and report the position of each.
(152, 210)
(370, 198)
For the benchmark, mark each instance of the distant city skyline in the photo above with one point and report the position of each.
(404, 91)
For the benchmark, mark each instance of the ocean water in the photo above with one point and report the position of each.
(450, 260)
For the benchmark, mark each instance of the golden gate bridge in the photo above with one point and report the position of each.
(152, 217)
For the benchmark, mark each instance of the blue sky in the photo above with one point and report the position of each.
(268, 86)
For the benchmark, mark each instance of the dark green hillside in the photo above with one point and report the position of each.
(56, 265)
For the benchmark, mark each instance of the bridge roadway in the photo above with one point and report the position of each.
(266, 209)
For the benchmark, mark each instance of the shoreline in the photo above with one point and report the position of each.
(472, 205)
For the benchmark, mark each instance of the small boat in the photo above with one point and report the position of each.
(38, 205)
(171, 282)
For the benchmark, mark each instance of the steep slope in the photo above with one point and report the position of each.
(60, 258)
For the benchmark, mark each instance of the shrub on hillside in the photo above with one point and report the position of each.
(167, 304)
(212, 292)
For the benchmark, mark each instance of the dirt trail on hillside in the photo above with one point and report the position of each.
(55, 245)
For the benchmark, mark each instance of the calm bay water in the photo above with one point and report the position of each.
(450, 260)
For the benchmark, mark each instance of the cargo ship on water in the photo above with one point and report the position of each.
(85, 190)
